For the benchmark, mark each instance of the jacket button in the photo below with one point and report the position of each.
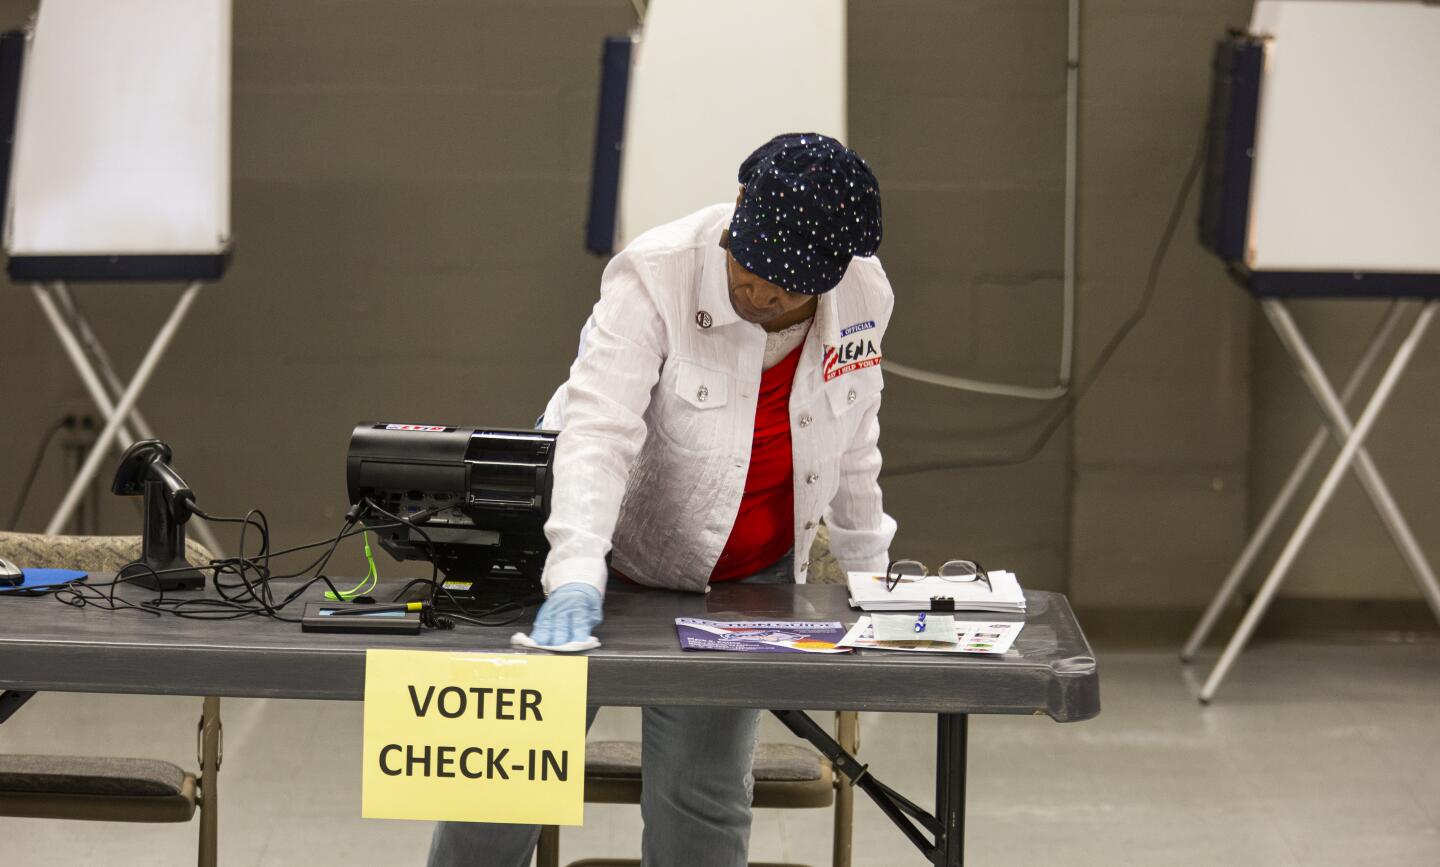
(850, 398)
(812, 478)
(703, 319)
(704, 393)
(809, 525)
(805, 420)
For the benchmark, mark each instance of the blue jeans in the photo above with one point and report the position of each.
(695, 789)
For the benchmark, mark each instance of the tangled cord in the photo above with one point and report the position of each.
(249, 593)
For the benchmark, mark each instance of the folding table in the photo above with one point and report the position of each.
(1051, 671)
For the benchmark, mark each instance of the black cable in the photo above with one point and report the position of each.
(470, 613)
(225, 608)
(437, 588)
(40, 452)
(279, 553)
(1071, 400)
(255, 597)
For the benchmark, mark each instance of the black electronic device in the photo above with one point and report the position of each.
(145, 471)
(474, 502)
(10, 574)
(344, 617)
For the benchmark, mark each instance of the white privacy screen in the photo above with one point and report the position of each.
(1347, 149)
(711, 82)
(122, 143)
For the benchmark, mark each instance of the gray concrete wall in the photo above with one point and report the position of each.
(409, 194)
(1161, 442)
(960, 107)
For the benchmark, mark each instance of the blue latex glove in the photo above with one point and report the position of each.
(571, 612)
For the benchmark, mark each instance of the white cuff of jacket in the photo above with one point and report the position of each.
(585, 570)
(865, 550)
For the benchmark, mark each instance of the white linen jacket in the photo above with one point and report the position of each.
(658, 417)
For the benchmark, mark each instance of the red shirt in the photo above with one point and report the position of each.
(765, 525)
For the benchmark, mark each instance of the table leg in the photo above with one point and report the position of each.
(210, 758)
(950, 747)
(11, 700)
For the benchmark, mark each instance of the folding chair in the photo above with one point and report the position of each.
(105, 789)
(786, 776)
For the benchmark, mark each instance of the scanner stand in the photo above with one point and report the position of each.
(162, 549)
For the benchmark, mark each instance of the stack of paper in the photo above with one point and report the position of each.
(933, 593)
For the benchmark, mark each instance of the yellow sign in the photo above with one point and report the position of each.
(474, 737)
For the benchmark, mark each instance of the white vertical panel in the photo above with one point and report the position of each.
(1347, 157)
(123, 136)
(711, 82)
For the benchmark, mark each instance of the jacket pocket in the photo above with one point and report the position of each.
(853, 392)
(690, 407)
(701, 387)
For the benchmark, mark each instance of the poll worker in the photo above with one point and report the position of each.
(724, 402)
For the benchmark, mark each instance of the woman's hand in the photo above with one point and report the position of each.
(570, 614)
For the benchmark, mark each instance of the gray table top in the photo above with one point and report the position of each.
(1051, 670)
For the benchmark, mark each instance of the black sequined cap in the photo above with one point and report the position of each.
(810, 205)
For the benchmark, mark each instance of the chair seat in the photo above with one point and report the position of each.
(99, 788)
(86, 553)
(786, 775)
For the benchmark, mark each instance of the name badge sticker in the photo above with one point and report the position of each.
(851, 355)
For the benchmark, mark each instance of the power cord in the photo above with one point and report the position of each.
(372, 577)
(68, 422)
(1082, 387)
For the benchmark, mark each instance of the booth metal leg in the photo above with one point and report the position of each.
(124, 404)
(1287, 492)
(1370, 477)
(1350, 449)
(74, 349)
(104, 384)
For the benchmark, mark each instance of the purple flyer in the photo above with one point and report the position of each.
(760, 636)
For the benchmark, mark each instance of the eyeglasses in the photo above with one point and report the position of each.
(957, 571)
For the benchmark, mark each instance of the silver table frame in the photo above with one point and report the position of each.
(115, 398)
(1350, 437)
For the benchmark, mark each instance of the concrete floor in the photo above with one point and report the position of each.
(1313, 755)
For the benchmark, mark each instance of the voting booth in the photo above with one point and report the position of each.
(668, 138)
(1321, 182)
(119, 115)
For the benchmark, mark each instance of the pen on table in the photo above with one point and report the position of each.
(920, 622)
(377, 609)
